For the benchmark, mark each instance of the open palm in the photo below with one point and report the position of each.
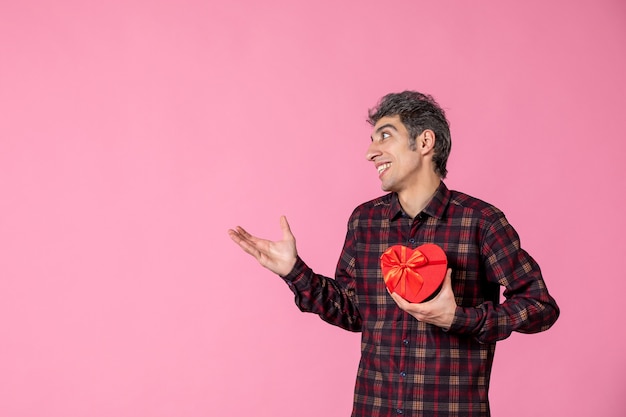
(279, 257)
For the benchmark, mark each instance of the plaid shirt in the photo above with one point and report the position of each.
(408, 367)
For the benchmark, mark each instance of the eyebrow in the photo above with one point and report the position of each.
(386, 125)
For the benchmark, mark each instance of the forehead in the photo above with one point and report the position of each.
(392, 122)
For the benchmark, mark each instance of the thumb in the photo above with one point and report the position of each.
(284, 225)
(447, 281)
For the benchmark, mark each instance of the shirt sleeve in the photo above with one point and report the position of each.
(334, 300)
(528, 307)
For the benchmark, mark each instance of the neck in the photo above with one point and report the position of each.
(414, 200)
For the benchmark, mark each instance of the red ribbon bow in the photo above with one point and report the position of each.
(400, 267)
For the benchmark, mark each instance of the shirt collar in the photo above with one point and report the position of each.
(435, 208)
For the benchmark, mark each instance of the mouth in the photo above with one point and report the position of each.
(383, 167)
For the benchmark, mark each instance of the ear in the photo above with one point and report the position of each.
(426, 141)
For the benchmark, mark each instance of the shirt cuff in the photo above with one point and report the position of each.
(467, 320)
(296, 272)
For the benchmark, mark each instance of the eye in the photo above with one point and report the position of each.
(384, 135)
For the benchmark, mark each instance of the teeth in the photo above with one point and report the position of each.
(383, 167)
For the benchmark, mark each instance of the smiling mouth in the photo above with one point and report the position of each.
(383, 167)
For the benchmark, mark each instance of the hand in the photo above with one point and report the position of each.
(279, 257)
(438, 311)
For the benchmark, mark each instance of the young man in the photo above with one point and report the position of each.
(419, 359)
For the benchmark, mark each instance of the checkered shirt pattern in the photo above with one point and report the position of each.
(408, 367)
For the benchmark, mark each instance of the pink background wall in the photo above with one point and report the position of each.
(133, 134)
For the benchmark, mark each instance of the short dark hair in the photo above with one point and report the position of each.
(418, 112)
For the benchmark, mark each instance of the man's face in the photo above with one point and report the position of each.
(396, 163)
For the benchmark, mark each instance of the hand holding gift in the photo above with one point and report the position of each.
(413, 276)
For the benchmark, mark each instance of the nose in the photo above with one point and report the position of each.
(372, 151)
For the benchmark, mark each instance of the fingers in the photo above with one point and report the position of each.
(243, 233)
(245, 241)
(238, 234)
(234, 235)
(402, 303)
(244, 236)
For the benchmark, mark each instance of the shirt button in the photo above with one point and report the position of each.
(406, 342)
(412, 241)
(402, 374)
(399, 411)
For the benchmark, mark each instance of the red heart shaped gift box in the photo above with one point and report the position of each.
(414, 274)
